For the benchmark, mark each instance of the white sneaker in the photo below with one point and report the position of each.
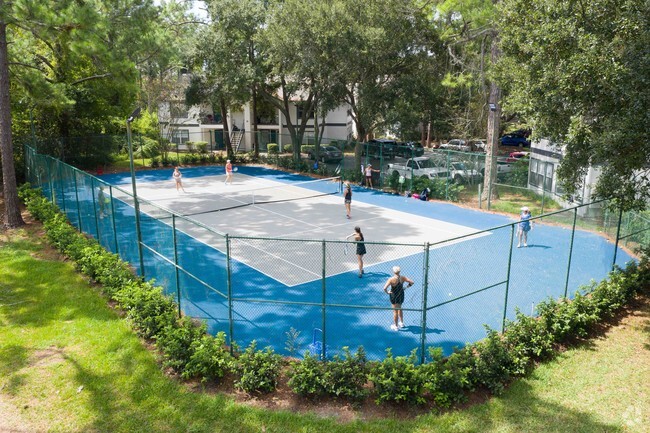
(393, 327)
(401, 324)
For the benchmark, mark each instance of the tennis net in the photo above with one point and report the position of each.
(271, 194)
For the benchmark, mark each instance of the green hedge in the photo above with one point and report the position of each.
(490, 364)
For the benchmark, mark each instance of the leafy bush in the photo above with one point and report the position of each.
(210, 359)
(306, 148)
(493, 365)
(447, 380)
(258, 370)
(202, 147)
(176, 342)
(287, 148)
(528, 340)
(273, 148)
(347, 376)
(147, 308)
(307, 377)
(397, 379)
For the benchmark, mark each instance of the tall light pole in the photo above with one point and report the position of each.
(136, 205)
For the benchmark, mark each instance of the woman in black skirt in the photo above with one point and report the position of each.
(361, 247)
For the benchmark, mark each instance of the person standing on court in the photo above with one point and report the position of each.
(228, 173)
(525, 225)
(361, 247)
(347, 199)
(394, 287)
(368, 173)
(177, 177)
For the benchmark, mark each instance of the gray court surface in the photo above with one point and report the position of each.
(317, 218)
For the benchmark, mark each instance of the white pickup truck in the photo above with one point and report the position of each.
(417, 167)
(503, 167)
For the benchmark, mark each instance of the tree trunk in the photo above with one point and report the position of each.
(253, 131)
(493, 128)
(12, 217)
(226, 130)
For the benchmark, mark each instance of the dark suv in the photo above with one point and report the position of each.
(380, 148)
(410, 149)
(514, 140)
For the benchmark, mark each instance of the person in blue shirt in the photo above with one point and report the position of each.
(525, 225)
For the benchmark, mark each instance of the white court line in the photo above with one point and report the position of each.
(280, 259)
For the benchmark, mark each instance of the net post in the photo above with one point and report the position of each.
(231, 326)
(568, 268)
(324, 294)
(110, 193)
(176, 274)
(505, 302)
(425, 287)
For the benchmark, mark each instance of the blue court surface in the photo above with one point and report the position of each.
(305, 281)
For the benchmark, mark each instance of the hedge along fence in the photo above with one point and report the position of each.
(488, 364)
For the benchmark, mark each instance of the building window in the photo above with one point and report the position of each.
(180, 136)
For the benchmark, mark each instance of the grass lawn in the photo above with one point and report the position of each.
(69, 363)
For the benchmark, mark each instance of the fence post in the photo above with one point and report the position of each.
(324, 299)
(231, 326)
(618, 235)
(76, 194)
(92, 192)
(480, 204)
(568, 269)
(49, 180)
(447, 183)
(505, 303)
(110, 193)
(178, 282)
(425, 285)
(62, 188)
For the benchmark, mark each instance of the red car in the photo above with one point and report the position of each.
(517, 156)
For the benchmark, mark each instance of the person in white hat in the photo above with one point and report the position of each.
(394, 287)
(525, 225)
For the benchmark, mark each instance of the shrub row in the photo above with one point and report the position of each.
(488, 364)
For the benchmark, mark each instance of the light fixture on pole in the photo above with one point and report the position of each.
(136, 205)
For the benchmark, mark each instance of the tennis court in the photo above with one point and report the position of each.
(283, 264)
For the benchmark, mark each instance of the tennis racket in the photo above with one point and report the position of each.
(346, 249)
(235, 169)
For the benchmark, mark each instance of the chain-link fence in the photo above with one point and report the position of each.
(304, 294)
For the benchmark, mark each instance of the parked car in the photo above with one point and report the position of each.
(460, 173)
(380, 148)
(410, 149)
(418, 167)
(517, 156)
(514, 140)
(327, 154)
(456, 144)
(477, 145)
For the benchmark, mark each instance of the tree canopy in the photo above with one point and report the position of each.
(579, 71)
